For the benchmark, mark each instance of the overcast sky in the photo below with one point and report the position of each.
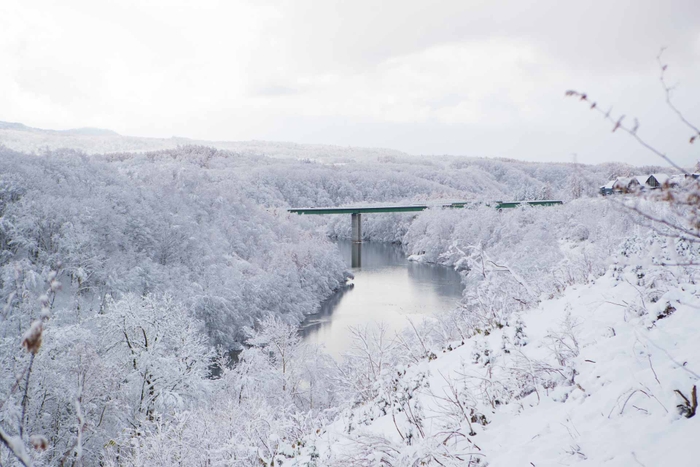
(463, 77)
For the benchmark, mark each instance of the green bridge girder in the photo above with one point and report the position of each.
(420, 207)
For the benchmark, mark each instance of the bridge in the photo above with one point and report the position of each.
(357, 211)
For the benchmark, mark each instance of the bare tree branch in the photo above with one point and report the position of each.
(668, 90)
(617, 124)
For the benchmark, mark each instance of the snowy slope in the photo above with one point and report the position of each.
(619, 409)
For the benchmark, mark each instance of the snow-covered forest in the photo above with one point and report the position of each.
(127, 277)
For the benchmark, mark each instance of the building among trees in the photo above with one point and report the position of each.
(643, 182)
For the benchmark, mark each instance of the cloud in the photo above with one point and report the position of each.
(274, 90)
(462, 76)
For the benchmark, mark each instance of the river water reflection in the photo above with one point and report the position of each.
(387, 288)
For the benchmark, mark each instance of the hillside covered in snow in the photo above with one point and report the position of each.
(22, 138)
(126, 278)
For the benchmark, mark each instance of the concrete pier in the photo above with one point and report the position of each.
(356, 260)
(356, 227)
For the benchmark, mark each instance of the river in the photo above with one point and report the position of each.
(387, 289)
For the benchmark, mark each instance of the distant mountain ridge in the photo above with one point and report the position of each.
(13, 126)
(23, 138)
(73, 131)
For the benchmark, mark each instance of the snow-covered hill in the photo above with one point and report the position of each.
(575, 340)
(595, 377)
(22, 138)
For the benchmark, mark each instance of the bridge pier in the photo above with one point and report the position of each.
(356, 227)
(356, 258)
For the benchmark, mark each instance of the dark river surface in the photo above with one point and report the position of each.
(387, 289)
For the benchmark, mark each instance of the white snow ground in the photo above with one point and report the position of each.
(620, 411)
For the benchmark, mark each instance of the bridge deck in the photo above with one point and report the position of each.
(419, 207)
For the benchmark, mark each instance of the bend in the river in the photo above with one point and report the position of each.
(387, 289)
